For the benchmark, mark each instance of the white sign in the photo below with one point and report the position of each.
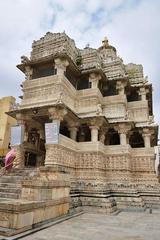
(52, 132)
(17, 135)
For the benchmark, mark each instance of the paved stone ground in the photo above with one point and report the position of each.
(124, 226)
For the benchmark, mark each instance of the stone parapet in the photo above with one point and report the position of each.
(73, 155)
(138, 111)
(84, 103)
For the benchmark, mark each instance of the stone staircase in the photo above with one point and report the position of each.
(11, 183)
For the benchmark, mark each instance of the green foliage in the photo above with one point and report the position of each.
(79, 60)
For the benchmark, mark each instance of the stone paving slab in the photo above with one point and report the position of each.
(124, 226)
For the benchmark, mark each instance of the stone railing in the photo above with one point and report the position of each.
(138, 111)
(142, 151)
(90, 147)
(72, 154)
(107, 149)
(49, 90)
(40, 82)
(57, 89)
(88, 99)
(117, 149)
(68, 143)
(115, 106)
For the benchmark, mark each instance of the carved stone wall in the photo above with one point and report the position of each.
(97, 172)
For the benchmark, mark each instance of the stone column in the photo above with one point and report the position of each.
(142, 93)
(102, 138)
(120, 86)
(94, 79)
(123, 129)
(95, 124)
(103, 134)
(61, 65)
(94, 133)
(73, 133)
(146, 134)
(19, 160)
(41, 133)
(24, 120)
(53, 150)
(28, 72)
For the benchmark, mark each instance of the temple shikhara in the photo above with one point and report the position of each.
(100, 112)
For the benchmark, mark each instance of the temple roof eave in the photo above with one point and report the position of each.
(48, 59)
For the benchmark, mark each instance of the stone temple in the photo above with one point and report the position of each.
(104, 159)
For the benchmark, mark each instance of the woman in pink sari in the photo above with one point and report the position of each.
(11, 155)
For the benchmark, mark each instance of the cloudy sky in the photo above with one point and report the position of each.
(132, 26)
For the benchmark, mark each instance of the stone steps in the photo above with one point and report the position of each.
(10, 183)
(9, 195)
(10, 190)
(21, 172)
(11, 179)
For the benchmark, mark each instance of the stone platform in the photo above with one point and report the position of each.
(124, 226)
(43, 196)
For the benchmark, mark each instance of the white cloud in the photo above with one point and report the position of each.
(132, 26)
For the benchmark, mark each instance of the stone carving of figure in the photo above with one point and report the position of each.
(24, 59)
(151, 119)
(127, 115)
(59, 99)
(28, 72)
(99, 109)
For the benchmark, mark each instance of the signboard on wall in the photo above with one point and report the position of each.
(17, 135)
(52, 132)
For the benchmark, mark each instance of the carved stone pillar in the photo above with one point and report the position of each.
(41, 133)
(102, 138)
(123, 129)
(73, 133)
(95, 124)
(55, 113)
(146, 134)
(103, 134)
(19, 160)
(142, 93)
(28, 72)
(61, 65)
(22, 120)
(94, 79)
(120, 86)
(94, 133)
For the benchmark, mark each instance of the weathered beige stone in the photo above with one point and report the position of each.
(6, 103)
(105, 157)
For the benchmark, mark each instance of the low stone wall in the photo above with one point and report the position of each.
(22, 215)
(44, 196)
